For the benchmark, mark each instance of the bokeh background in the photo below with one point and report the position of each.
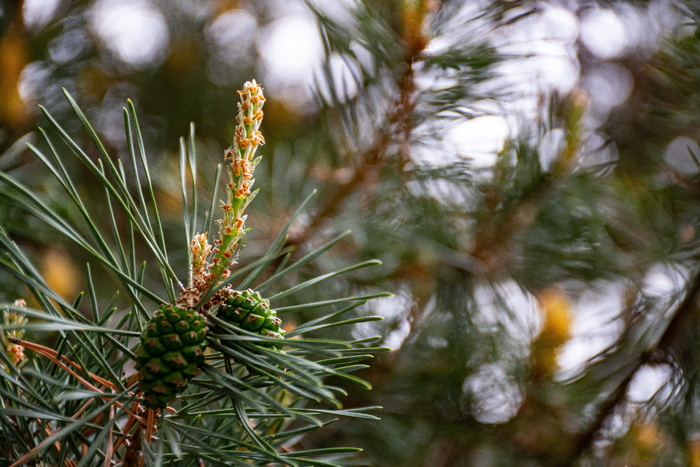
(527, 171)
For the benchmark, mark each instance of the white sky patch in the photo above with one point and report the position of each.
(544, 51)
(664, 280)
(480, 138)
(681, 154)
(555, 67)
(34, 77)
(514, 297)
(642, 26)
(546, 45)
(550, 147)
(437, 45)
(445, 191)
(597, 323)
(549, 66)
(343, 80)
(234, 29)
(291, 50)
(603, 33)
(395, 308)
(594, 327)
(668, 17)
(395, 327)
(431, 83)
(38, 13)
(496, 396)
(648, 380)
(284, 8)
(133, 30)
(230, 36)
(610, 84)
(597, 150)
(559, 24)
(68, 46)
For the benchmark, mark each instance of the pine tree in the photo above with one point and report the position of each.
(574, 241)
(244, 391)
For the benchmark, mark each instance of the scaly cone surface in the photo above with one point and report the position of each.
(170, 354)
(249, 311)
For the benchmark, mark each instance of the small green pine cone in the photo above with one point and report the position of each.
(170, 353)
(248, 310)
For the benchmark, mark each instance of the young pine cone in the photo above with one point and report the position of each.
(170, 353)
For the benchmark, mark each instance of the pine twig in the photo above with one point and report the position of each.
(676, 327)
(398, 129)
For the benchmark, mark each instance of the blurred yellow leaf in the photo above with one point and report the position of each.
(556, 309)
(61, 274)
(556, 330)
(13, 57)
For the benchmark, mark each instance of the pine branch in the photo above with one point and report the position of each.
(396, 130)
(677, 326)
(254, 383)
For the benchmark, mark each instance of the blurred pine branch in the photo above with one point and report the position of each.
(545, 287)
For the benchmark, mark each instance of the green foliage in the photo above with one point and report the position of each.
(251, 402)
(546, 284)
(171, 352)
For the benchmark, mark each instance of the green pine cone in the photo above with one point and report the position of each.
(248, 310)
(170, 353)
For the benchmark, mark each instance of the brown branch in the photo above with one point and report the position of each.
(66, 363)
(109, 453)
(497, 229)
(675, 328)
(397, 130)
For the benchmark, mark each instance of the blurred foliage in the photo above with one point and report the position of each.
(541, 286)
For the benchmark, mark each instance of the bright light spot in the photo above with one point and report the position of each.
(558, 24)
(555, 66)
(492, 300)
(395, 327)
(595, 327)
(232, 29)
(68, 46)
(550, 147)
(647, 382)
(33, 78)
(603, 33)
(550, 65)
(343, 85)
(434, 83)
(437, 45)
(662, 280)
(544, 45)
(608, 85)
(599, 150)
(132, 29)
(395, 338)
(448, 192)
(480, 138)
(495, 396)
(682, 154)
(291, 49)
(230, 36)
(668, 17)
(642, 28)
(283, 8)
(38, 13)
